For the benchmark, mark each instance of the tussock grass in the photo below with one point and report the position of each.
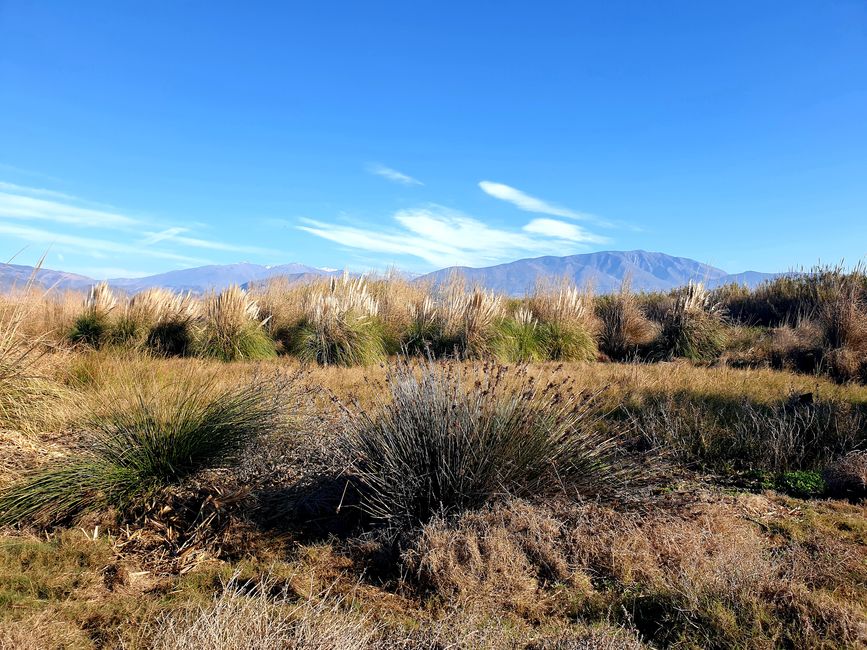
(93, 326)
(692, 327)
(231, 330)
(142, 438)
(624, 328)
(443, 440)
(567, 322)
(340, 326)
(520, 339)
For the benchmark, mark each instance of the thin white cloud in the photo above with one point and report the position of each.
(443, 237)
(562, 230)
(24, 204)
(36, 191)
(156, 237)
(392, 174)
(530, 203)
(91, 246)
(17, 206)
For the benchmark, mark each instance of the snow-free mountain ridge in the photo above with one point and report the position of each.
(605, 271)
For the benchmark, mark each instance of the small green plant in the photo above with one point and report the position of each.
(145, 440)
(802, 483)
(93, 327)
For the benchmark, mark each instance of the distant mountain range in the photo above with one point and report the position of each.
(605, 271)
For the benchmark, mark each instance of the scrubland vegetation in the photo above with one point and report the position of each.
(368, 463)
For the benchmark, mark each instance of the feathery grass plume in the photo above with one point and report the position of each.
(23, 396)
(341, 326)
(468, 318)
(231, 329)
(692, 328)
(396, 299)
(172, 317)
(566, 320)
(146, 436)
(93, 326)
(624, 328)
(519, 339)
(425, 331)
(445, 437)
(842, 316)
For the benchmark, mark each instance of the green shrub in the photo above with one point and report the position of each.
(444, 438)
(142, 442)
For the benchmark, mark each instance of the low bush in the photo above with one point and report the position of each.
(142, 439)
(443, 438)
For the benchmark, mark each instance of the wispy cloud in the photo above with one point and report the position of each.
(91, 245)
(30, 204)
(392, 174)
(18, 206)
(443, 237)
(530, 203)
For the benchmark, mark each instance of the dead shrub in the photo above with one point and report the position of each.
(848, 475)
(504, 555)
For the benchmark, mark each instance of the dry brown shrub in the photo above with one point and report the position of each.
(247, 616)
(848, 475)
(500, 556)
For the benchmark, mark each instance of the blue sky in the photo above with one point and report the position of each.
(141, 137)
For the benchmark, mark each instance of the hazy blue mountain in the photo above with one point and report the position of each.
(205, 278)
(751, 279)
(605, 271)
(17, 276)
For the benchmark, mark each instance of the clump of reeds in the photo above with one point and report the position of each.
(567, 322)
(156, 319)
(520, 338)
(443, 438)
(93, 326)
(143, 438)
(340, 325)
(231, 329)
(467, 319)
(624, 328)
(692, 328)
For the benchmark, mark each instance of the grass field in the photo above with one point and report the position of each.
(308, 467)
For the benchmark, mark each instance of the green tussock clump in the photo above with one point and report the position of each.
(231, 330)
(143, 440)
(93, 326)
(444, 438)
(692, 327)
(340, 326)
(566, 322)
(520, 339)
